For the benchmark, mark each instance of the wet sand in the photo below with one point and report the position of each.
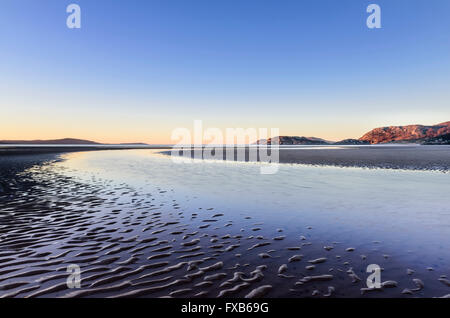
(9, 150)
(410, 157)
(131, 243)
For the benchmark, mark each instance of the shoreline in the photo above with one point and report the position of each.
(402, 157)
(6, 150)
(31, 155)
(398, 157)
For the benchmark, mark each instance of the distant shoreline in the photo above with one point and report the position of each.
(46, 149)
(407, 157)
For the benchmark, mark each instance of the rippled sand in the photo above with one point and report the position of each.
(130, 243)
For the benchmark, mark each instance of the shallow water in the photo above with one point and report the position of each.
(125, 217)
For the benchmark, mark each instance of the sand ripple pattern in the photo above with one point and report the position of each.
(134, 243)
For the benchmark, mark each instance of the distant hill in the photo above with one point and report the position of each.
(293, 140)
(436, 134)
(402, 134)
(352, 142)
(65, 141)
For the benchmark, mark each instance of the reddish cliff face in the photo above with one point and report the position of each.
(406, 133)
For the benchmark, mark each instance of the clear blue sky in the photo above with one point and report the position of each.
(138, 69)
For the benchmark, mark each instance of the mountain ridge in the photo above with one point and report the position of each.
(409, 133)
(424, 134)
(62, 141)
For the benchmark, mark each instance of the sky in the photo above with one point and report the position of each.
(137, 70)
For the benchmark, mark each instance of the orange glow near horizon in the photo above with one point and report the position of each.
(156, 133)
(129, 133)
(155, 124)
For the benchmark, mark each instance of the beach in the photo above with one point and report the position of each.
(391, 156)
(139, 224)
